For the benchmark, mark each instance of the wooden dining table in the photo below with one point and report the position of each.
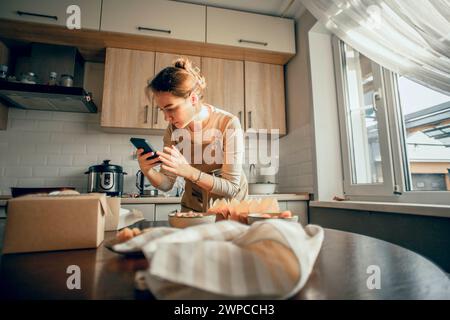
(349, 266)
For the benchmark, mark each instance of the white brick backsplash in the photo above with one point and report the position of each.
(59, 160)
(74, 127)
(7, 182)
(29, 138)
(48, 148)
(72, 172)
(75, 117)
(45, 172)
(19, 148)
(18, 172)
(124, 149)
(56, 182)
(33, 160)
(22, 125)
(39, 115)
(97, 149)
(73, 149)
(86, 138)
(85, 160)
(9, 159)
(4, 136)
(30, 182)
(16, 113)
(49, 126)
(115, 159)
(72, 142)
(62, 138)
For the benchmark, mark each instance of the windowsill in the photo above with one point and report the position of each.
(391, 207)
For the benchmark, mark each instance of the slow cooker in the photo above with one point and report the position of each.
(106, 178)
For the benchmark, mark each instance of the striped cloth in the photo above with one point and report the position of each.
(228, 260)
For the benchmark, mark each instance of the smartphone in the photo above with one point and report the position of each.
(140, 143)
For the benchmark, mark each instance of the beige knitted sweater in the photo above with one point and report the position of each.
(222, 154)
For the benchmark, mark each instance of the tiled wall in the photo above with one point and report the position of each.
(42, 148)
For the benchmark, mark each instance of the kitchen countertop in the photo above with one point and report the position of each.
(161, 199)
(278, 196)
(340, 272)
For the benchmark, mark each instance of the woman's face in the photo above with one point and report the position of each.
(177, 111)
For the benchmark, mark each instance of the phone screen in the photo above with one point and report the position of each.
(140, 143)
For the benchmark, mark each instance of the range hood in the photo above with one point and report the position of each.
(44, 97)
(42, 59)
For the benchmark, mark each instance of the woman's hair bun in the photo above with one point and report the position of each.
(183, 63)
(186, 64)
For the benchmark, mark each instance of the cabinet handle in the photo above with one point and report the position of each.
(249, 119)
(240, 117)
(153, 29)
(254, 42)
(155, 114)
(146, 114)
(24, 13)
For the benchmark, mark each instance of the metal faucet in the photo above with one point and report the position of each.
(252, 170)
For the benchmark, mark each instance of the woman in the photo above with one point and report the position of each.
(177, 92)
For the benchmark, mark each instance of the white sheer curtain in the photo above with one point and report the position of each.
(410, 37)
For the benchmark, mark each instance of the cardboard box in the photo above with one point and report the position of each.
(112, 217)
(45, 223)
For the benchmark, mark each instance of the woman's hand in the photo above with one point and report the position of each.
(144, 164)
(173, 161)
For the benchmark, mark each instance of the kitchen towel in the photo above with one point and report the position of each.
(228, 260)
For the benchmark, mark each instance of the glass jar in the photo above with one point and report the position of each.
(28, 77)
(66, 80)
(52, 79)
(3, 71)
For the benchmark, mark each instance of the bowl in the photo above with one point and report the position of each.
(261, 188)
(254, 217)
(184, 222)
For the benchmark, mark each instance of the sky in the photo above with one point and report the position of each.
(415, 97)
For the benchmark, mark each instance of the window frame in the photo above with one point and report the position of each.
(391, 135)
(350, 189)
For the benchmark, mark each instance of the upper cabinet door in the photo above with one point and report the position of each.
(225, 85)
(158, 18)
(229, 27)
(52, 12)
(264, 96)
(125, 102)
(163, 60)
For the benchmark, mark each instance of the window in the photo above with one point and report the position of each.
(426, 119)
(395, 133)
(366, 151)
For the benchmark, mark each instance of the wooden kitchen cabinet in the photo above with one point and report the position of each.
(156, 18)
(250, 30)
(163, 60)
(225, 85)
(265, 96)
(52, 12)
(125, 102)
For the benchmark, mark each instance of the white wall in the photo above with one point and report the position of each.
(296, 172)
(328, 163)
